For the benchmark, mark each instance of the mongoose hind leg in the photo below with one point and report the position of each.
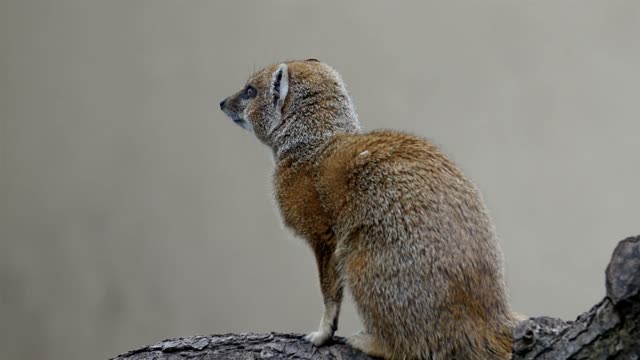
(369, 345)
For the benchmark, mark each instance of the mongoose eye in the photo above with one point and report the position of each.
(249, 93)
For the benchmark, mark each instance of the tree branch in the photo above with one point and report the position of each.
(244, 346)
(610, 330)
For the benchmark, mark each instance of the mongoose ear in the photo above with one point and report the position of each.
(280, 86)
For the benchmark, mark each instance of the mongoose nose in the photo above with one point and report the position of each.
(222, 104)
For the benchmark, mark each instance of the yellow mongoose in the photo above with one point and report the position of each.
(386, 214)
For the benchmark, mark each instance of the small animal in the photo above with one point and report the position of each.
(386, 214)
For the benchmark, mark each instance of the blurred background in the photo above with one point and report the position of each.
(133, 210)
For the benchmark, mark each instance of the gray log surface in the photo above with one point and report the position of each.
(610, 330)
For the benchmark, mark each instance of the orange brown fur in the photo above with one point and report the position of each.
(387, 214)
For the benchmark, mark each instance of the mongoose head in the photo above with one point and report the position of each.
(293, 105)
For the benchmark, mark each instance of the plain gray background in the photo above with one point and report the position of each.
(133, 210)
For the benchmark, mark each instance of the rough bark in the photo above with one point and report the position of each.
(610, 330)
(244, 346)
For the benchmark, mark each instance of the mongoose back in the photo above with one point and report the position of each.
(386, 214)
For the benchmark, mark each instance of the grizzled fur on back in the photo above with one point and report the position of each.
(387, 214)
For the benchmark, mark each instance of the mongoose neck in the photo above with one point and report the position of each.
(306, 137)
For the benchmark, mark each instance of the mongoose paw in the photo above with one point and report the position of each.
(359, 341)
(318, 338)
(364, 342)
